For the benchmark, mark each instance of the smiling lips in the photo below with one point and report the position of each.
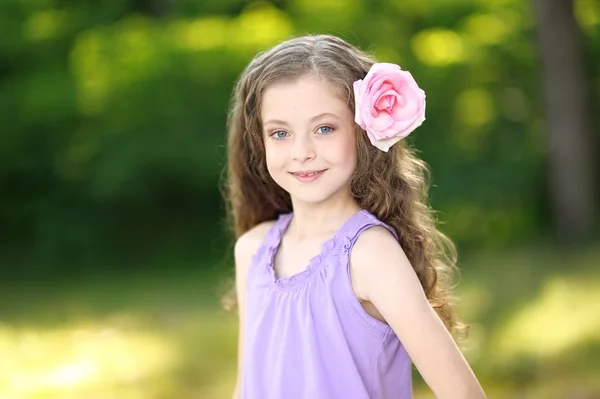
(307, 176)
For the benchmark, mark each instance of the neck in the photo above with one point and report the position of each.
(313, 220)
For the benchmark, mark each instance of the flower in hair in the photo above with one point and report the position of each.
(389, 104)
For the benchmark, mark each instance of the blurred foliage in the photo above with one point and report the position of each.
(535, 332)
(113, 117)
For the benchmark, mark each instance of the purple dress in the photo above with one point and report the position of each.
(307, 336)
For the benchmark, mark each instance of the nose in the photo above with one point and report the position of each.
(303, 148)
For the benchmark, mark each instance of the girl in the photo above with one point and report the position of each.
(341, 276)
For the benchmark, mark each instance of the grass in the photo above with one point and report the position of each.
(534, 316)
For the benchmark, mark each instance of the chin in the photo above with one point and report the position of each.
(309, 198)
(314, 195)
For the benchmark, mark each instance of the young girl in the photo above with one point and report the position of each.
(341, 276)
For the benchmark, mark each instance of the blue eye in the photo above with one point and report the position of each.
(278, 135)
(325, 129)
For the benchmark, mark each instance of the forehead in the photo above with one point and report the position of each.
(302, 98)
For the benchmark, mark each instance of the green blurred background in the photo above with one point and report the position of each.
(113, 247)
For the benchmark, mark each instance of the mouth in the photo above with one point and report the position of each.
(307, 173)
(308, 176)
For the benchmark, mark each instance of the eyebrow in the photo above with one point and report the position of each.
(313, 119)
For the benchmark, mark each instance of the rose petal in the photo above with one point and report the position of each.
(410, 81)
(377, 83)
(380, 124)
(385, 89)
(383, 144)
(404, 130)
(400, 101)
(358, 96)
(366, 110)
(381, 69)
(389, 104)
(406, 107)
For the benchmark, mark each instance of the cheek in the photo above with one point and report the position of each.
(274, 159)
(351, 160)
(347, 152)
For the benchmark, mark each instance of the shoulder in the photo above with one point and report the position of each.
(375, 241)
(376, 256)
(248, 243)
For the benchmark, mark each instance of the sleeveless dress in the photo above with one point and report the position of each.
(308, 337)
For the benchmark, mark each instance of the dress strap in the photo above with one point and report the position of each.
(273, 236)
(362, 223)
(276, 231)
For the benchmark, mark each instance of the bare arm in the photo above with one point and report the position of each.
(244, 249)
(384, 276)
(241, 268)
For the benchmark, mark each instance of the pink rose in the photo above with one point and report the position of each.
(389, 104)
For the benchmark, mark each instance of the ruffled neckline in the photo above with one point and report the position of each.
(314, 264)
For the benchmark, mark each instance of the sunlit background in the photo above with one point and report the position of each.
(113, 248)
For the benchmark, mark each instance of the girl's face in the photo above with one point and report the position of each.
(308, 129)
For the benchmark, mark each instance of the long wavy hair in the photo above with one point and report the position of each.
(391, 185)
